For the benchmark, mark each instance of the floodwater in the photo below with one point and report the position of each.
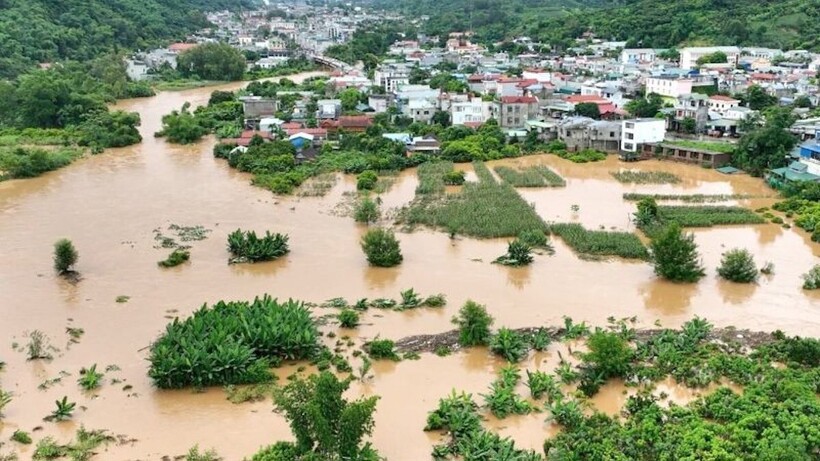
(110, 204)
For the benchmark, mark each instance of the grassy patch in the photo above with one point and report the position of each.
(318, 186)
(601, 243)
(688, 198)
(645, 177)
(533, 176)
(431, 177)
(707, 216)
(485, 209)
(185, 84)
(721, 147)
(584, 156)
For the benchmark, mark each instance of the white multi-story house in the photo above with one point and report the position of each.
(721, 104)
(391, 76)
(689, 56)
(640, 131)
(668, 87)
(637, 55)
(472, 111)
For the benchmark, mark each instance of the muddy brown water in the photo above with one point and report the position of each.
(110, 204)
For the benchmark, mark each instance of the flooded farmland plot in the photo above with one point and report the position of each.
(110, 205)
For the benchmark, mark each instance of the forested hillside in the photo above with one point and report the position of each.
(34, 31)
(652, 23)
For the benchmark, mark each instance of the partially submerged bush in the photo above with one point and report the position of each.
(382, 349)
(676, 255)
(473, 325)
(366, 211)
(502, 399)
(247, 247)
(738, 265)
(518, 254)
(232, 343)
(811, 279)
(176, 258)
(349, 318)
(454, 178)
(65, 256)
(381, 248)
(509, 344)
(366, 180)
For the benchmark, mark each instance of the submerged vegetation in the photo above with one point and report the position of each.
(381, 248)
(533, 176)
(177, 257)
(675, 255)
(29, 162)
(232, 343)
(247, 247)
(600, 243)
(645, 177)
(738, 265)
(65, 256)
(486, 209)
(687, 198)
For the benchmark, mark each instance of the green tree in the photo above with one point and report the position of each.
(717, 57)
(381, 248)
(738, 265)
(325, 424)
(588, 109)
(689, 125)
(366, 211)
(182, 127)
(768, 146)
(647, 214)
(645, 107)
(675, 255)
(473, 325)
(756, 98)
(441, 118)
(65, 256)
(366, 180)
(212, 61)
(350, 97)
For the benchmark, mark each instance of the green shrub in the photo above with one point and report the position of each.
(349, 318)
(21, 437)
(509, 344)
(247, 247)
(518, 254)
(675, 255)
(432, 177)
(5, 399)
(542, 384)
(65, 256)
(473, 325)
(454, 178)
(176, 258)
(381, 248)
(535, 238)
(502, 399)
(32, 162)
(366, 180)
(366, 211)
(382, 349)
(232, 343)
(90, 378)
(584, 156)
(811, 279)
(195, 455)
(738, 265)
(532, 176)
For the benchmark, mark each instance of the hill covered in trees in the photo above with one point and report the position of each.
(35, 31)
(652, 23)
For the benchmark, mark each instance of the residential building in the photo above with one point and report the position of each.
(379, 102)
(256, 108)
(636, 132)
(670, 87)
(580, 133)
(690, 106)
(721, 104)
(637, 55)
(514, 111)
(328, 109)
(421, 110)
(473, 110)
(698, 156)
(391, 76)
(810, 154)
(689, 56)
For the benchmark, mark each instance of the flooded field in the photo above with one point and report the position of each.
(110, 205)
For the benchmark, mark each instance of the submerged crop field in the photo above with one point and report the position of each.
(483, 209)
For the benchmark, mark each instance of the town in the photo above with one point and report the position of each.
(689, 105)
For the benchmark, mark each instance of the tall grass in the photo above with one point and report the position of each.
(707, 216)
(533, 176)
(232, 343)
(485, 209)
(645, 177)
(600, 243)
(431, 177)
(687, 198)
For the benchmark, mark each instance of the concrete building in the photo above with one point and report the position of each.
(670, 87)
(721, 104)
(421, 110)
(689, 56)
(514, 111)
(580, 133)
(637, 55)
(467, 112)
(392, 76)
(636, 132)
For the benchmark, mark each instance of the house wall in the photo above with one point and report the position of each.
(668, 87)
(637, 132)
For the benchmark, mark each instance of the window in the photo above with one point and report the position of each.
(426, 112)
(630, 136)
(517, 121)
(629, 146)
(509, 120)
(630, 125)
(509, 109)
(612, 134)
